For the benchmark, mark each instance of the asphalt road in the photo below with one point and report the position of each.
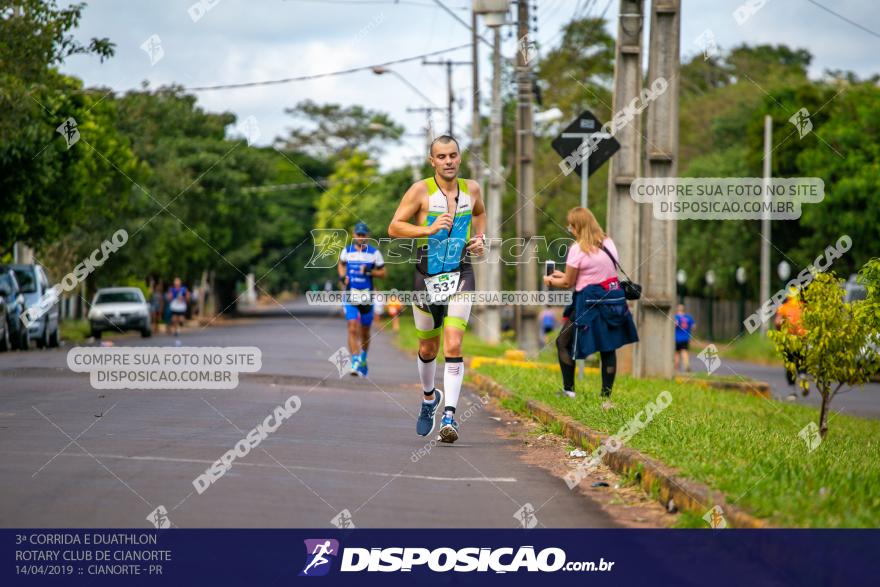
(74, 456)
(863, 402)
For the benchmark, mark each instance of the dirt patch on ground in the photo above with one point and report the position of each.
(627, 504)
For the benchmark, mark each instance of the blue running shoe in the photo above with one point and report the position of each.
(425, 423)
(362, 368)
(448, 429)
(355, 365)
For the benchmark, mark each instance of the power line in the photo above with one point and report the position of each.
(843, 18)
(367, 2)
(461, 20)
(322, 75)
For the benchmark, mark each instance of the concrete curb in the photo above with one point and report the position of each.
(651, 474)
(753, 387)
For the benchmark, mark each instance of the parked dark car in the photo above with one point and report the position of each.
(5, 343)
(11, 293)
(34, 284)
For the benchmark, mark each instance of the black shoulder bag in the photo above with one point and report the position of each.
(631, 290)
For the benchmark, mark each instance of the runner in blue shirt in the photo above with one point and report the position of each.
(684, 325)
(359, 263)
(178, 298)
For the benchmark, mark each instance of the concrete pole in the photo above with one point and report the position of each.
(476, 165)
(623, 214)
(527, 271)
(765, 221)
(654, 355)
(492, 316)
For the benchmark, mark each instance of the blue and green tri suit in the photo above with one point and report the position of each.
(443, 252)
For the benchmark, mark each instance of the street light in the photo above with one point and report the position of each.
(741, 280)
(783, 270)
(494, 11)
(681, 279)
(382, 70)
(710, 281)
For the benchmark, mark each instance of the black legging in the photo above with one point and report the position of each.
(564, 348)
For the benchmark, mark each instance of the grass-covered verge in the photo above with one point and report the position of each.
(78, 331)
(746, 447)
(473, 346)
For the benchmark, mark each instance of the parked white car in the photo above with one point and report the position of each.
(119, 309)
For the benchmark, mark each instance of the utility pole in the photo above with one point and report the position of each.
(429, 130)
(476, 158)
(476, 165)
(623, 213)
(449, 64)
(765, 221)
(654, 356)
(526, 272)
(492, 317)
(495, 13)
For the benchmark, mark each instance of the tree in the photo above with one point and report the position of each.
(578, 73)
(40, 178)
(839, 344)
(193, 213)
(333, 129)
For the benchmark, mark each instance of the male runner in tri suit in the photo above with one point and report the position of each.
(359, 263)
(446, 209)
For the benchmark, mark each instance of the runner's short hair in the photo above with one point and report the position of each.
(444, 139)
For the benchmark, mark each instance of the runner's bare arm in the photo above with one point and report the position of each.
(476, 246)
(340, 269)
(409, 207)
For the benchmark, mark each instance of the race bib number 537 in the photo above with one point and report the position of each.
(440, 287)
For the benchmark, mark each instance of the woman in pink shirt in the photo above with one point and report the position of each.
(598, 318)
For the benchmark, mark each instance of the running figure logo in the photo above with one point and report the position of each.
(801, 121)
(317, 551)
(69, 130)
(709, 356)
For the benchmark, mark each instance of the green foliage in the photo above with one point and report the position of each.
(335, 129)
(47, 187)
(835, 349)
(578, 73)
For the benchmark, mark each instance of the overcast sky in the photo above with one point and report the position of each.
(241, 41)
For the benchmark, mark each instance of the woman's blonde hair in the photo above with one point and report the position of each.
(587, 232)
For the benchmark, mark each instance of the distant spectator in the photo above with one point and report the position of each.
(684, 326)
(156, 306)
(788, 317)
(178, 300)
(548, 322)
(394, 309)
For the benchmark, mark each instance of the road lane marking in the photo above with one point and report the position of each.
(274, 466)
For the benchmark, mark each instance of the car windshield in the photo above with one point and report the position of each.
(117, 297)
(26, 280)
(6, 282)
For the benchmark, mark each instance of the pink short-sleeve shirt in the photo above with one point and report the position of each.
(594, 267)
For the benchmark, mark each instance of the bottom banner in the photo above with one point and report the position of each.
(437, 557)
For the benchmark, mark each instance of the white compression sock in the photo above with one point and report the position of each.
(452, 378)
(426, 373)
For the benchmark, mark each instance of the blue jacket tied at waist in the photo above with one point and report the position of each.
(602, 321)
